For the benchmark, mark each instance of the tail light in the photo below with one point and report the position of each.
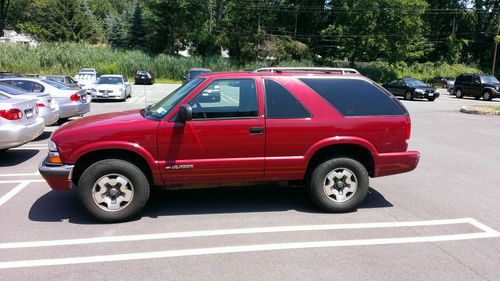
(408, 129)
(149, 76)
(11, 114)
(40, 104)
(74, 97)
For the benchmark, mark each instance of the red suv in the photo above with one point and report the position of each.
(329, 128)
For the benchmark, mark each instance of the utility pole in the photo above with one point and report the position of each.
(296, 16)
(496, 48)
(210, 16)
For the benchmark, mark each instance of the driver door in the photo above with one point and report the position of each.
(224, 142)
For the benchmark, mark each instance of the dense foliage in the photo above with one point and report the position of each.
(410, 31)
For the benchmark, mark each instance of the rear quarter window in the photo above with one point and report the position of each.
(354, 97)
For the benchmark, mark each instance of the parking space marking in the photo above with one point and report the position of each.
(20, 174)
(21, 181)
(488, 233)
(13, 192)
(239, 231)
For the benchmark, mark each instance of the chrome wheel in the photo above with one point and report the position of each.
(487, 96)
(408, 96)
(340, 185)
(113, 192)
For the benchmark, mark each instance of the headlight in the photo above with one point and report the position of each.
(93, 90)
(52, 146)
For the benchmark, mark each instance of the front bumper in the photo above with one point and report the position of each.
(419, 95)
(75, 108)
(395, 163)
(16, 135)
(58, 177)
(112, 96)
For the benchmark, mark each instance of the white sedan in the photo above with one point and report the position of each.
(113, 87)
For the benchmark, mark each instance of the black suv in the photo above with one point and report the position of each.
(477, 86)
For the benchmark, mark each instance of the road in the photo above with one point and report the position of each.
(438, 222)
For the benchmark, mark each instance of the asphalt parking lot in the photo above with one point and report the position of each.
(439, 222)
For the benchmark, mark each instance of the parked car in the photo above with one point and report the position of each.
(443, 82)
(91, 71)
(411, 88)
(111, 87)
(477, 86)
(71, 102)
(7, 74)
(66, 80)
(192, 73)
(144, 77)
(19, 121)
(267, 127)
(47, 107)
(86, 80)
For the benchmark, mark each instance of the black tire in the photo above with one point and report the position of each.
(431, 99)
(319, 177)
(487, 96)
(408, 96)
(459, 94)
(103, 168)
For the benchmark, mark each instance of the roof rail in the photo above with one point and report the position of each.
(319, 69)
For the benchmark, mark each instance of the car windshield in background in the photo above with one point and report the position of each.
(193, 74)
(87, 70)
(85, 76)
(161, 108)
(59, 79)
(56, 84)
(110, 80)
(415, 83)
(489, 79)
(11, 90)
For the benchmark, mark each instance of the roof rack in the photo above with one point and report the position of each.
(318, 69)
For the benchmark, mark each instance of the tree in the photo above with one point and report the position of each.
(137, 31)
(4, 9)
(117, 35)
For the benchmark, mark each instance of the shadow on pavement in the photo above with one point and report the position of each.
(15, 157)
(43, 136)
(57, 206)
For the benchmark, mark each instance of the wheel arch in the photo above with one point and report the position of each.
(91, 157)
(362, 152)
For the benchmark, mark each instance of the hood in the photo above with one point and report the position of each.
(116, 126)
(493, 85)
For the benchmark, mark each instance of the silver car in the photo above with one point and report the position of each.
(19, 121)
(71, 102)
(111, 86)
(47, 107)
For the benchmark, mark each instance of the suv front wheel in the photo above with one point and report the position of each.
(487, 95)
(339, 185)
(113, 190)
(459, 94)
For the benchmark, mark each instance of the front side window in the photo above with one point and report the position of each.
(226, 98)
(354, 97)
(280, 103)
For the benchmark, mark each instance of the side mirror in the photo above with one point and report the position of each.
(185, 113)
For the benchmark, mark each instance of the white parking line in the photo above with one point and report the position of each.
(20, 174)
(20, 181)
(488, 233)
(13, 192)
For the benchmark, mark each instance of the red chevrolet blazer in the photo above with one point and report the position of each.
(329, 128)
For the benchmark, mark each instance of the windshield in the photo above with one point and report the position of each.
(11, 90)
(59, 79)
(110, 80)
(56, 84)
(85, 76)
(194, 73)
(415, 83)
(489, 79)
(161, 108)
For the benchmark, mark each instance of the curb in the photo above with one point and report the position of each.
(480, 110)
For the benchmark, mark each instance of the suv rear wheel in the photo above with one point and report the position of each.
(113, 190)
(339, 185)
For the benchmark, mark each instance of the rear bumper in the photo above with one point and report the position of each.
(49, 116)
(395, 163)
(58, 177)
(16, 135)
(75, 108)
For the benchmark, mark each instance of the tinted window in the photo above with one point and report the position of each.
(467, 79)
(25, 85)
(280, 103)
(37, 88)
(11, 90)
(56, 84)
(226, 98)
(354, 97)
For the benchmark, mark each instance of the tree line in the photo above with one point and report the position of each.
(452, 31)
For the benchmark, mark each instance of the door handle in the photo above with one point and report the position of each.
(256, 131)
